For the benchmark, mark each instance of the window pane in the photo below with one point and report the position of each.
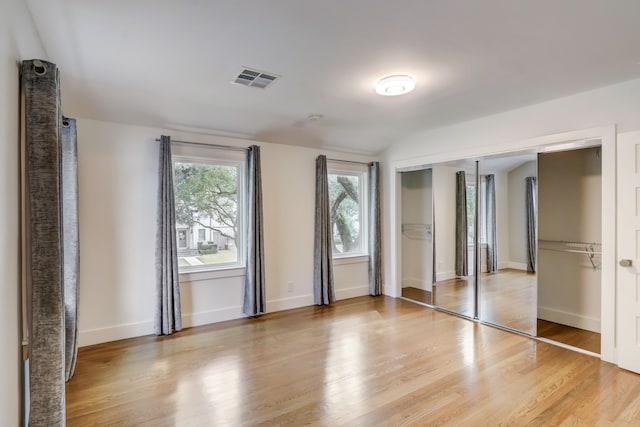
(344, 205)
(206, 214)
(471, 209)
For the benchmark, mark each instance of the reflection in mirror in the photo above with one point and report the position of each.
(454, 201)
(507, 213)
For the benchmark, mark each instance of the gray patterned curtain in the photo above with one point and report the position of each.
(167, 316)
(462, 255)
(254, 302)
(43, 240)
(375, 247)
(532, 229)
(323, 293)
(71, 250)
(490, 215)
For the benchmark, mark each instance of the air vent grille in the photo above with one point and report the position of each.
(255, 78)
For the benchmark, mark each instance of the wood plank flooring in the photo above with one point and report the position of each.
(360, 362)
(575, 337)
(417, 294)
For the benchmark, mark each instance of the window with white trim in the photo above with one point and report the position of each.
(348, 210)
(210, 209)
(471, 209)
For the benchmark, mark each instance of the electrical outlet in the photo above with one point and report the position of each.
(289, 286)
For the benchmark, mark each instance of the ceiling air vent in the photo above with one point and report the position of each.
(255, 78)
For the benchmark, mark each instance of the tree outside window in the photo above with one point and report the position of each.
(346, 212)
(207, 202)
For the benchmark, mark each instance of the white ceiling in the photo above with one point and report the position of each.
(168, 63)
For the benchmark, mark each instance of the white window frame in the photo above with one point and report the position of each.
(182, 153)
(362, 172)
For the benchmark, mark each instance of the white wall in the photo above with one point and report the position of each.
(444, 199)
(569, 209)
(117, 168)
(417, 244)
(18, 41)
(502, 218)
(518, 214)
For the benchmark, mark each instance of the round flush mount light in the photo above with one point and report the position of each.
(395, 85)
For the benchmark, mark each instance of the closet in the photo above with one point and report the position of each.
(512, 240)
(569, 247)
(417, 235)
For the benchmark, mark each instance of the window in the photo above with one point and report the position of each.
(471, 212)
(347, 209)
(471, 209)
(209, 210)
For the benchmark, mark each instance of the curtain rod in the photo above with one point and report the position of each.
(348, 161)
(226, 147)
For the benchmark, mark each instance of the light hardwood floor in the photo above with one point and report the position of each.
(508, 298)
(360, 362)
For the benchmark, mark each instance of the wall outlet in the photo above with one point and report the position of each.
(289, 286)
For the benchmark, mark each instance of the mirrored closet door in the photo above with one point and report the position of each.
(507, 285)
(513, 240)
(454, 199)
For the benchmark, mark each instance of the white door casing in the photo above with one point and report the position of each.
(628, 277)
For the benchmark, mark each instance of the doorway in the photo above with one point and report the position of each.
(417, 235)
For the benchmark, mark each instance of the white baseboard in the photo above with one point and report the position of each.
(356, 291)
(503, 265)
(517, 265)
(445, 275)
(570, 319)
(211, 316)
(131, 330)
(289, 303)
(114, 333)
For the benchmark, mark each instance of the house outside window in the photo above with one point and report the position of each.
(209, 199)
(347, 210)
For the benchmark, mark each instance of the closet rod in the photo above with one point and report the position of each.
(571, 244)
(572, 251)
(226, 147)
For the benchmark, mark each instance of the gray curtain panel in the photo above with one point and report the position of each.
(323, 292)
(167, 316)
(532, 228)
(71, 249)
(254, 302)
(43, 238)
(490, 215)
(375, 246)
(462, 261)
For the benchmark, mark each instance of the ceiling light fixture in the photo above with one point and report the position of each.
(395, 85)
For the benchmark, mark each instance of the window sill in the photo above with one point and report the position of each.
(353, 259)
(219, 273)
